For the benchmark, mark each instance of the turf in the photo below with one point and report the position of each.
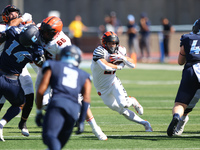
(154, 89)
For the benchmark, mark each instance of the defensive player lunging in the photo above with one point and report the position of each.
(53, 41)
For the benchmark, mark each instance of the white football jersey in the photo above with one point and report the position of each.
(53, 47)
(56, 45)
(103, 79)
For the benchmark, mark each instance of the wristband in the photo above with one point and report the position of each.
(38, 111)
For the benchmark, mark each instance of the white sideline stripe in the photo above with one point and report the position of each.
(151, 82)
(86, 64)
(147, 135)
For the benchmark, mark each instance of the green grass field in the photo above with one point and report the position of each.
(154, 89)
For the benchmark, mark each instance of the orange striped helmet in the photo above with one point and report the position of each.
(6, 11)
(50, 28)
(110, 36)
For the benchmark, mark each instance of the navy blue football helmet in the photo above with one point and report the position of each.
(29, 35)
(196, 26)
(71, 54)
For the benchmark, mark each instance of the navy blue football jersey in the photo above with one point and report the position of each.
(15, 56)
(191, 43)
(67, 81)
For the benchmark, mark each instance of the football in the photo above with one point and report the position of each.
(114, 61)
(117, 62)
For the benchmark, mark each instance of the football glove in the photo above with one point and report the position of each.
(116, 57)
(26, 17)
(39, 118)
(39, 61)
(80, 127)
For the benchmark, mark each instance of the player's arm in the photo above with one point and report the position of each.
(107, 66)
(39, 95)
(2, 37)
(85, 104)
(26, 18)
(181, 56)
(42, 87)
(126, 60)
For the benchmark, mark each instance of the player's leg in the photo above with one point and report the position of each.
(185, 118)
(27, 85)
(95, 128)
(47, 93)
(66, 129)
(187, 89)
(123, 100)
(112, 103)
(178, 111)
(10, 114)
(2, 101)
(52, 129)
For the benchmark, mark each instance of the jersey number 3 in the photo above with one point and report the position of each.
(70, 78)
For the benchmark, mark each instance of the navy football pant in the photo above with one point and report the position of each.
(188, 86)
(57, 128)
(12, 91)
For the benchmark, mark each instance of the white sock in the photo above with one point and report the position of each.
(2, 123)
(130, 115)
(92, 122)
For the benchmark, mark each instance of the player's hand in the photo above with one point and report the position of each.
(26, 17)
(39, 60)
(39, 118)
(120, 66)
(80, 127)
(116, 57)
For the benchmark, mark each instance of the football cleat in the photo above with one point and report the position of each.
(180, 126)
(99, 134)
(23, 128)
(1, 134)
(137, 106)
(148, 127)
(172, 126)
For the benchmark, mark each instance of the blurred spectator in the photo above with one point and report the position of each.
(132, 32)
(115, 22)
(145, 35)
(107, 26)
(76, 28)
(167, 30)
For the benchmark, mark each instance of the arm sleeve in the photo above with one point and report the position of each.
(104, 66)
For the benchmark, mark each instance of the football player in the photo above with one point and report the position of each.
(11, 16)
(19, 50)
(185, 118)
(107, 59)
(67, 81)
(189, 56)
(53, 41)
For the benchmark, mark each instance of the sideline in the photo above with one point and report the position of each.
(144, 66)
